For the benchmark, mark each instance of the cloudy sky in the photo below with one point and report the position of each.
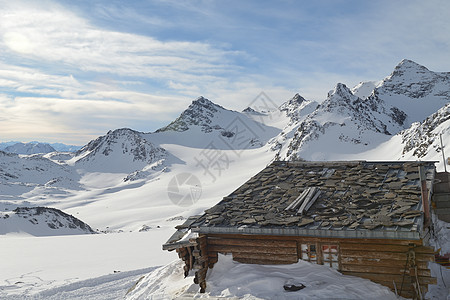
(72, 70)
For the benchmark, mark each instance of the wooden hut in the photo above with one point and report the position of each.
(366, 219)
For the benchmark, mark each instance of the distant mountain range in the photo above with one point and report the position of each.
(36, 147)
(401, 117)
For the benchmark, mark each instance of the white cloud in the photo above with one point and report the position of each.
(57, 37)
(80, 78)
(63, 72)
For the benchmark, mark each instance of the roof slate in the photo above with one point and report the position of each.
(356, 196)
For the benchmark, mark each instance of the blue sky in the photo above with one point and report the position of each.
(72, 70)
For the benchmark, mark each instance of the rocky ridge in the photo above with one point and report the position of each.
(122, 149)
(200, 113)
(423, 137)
(42, 221)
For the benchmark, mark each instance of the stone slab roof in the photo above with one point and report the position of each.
(357, 199)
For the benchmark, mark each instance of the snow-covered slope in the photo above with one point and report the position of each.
(29, 148)
(119, 151)
(23, 176)
(41, 221)
(365, 88)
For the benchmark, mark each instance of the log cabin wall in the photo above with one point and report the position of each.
(397, 264)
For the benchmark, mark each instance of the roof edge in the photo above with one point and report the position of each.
(349, 234)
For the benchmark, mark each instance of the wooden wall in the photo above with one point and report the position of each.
(382, 261)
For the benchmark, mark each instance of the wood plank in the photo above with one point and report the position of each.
(389, 277)
(262, 261)
(242, 249)
(297, 202)
(380, 262)
(386, 248)
(310, 202)
(314, 239)
(425, 250)
(253, 243)
(384, 255)
(382, 270)
(212, 254)
(311, 195)
(375, 247)
(264, 256)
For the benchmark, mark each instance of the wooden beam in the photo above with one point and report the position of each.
(382, 270)
(375, 247)
(386, 248)
(384, 255)
(263, 256)
(263, 261)
(389, 277)
(314, 239)
(253, 243)
(243, 249)
(380, 262)
(425, 250)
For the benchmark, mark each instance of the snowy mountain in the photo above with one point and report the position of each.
(201, 112)
(3, 145)
(205, 124)
(60, 147)
(41, 147)
(423, 138)
(355, 121)
(297, 107)
(119, 151)
(29, 148)
(41, 221)
(422, 141)
(34, 175)
(414, 90)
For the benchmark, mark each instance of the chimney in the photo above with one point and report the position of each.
(425, 200)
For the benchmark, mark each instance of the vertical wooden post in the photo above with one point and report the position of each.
(425, 200)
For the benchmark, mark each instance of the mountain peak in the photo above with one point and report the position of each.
(204, 102)
(409, 68)
(292, 103)
(200, 113)
(416, 81)
(340, 91)
(297, 98)
(409, 65)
